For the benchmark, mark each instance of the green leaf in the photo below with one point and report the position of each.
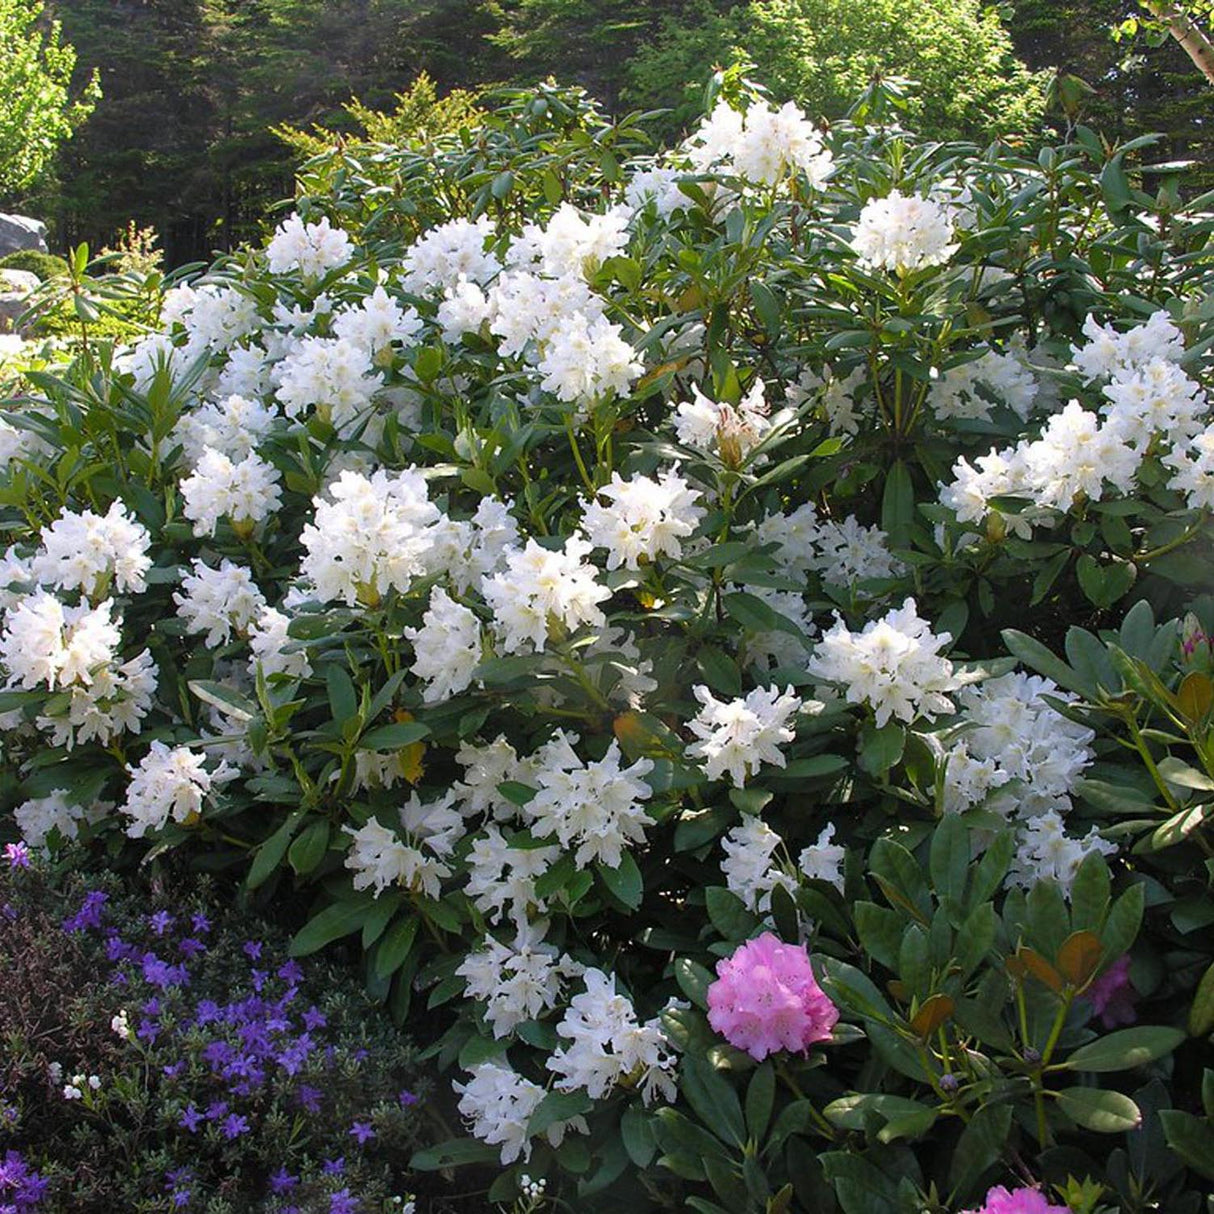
(728, 914)
(309, 848)
(331, 924)
(1191, 1138)
(880, 931)
(557, 1107)
(229, 701)
(343, 699)
(760, 1099)
(624, 881)
(898, 505)
(852, 989)
(694, 981)
(1096, 1109)
(1201, 1013)
(1124, 921)
(1037, 657)
(979, 1147)
(1090, 894)
(396, 945)
(1126, 1048)
(881, 748)
(949, 859)
(714, 1100)
(454, 1153)
(636, 1130)
(270, 853)
(395, 736)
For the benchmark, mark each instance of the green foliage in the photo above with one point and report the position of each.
(44, 265)
(823, 52)
(40, 110)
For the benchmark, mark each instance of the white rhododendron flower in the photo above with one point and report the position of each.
(449, 252)
(244, 491)
(607, 1044)
(218, 602)
(94, 553)
(730, 431)
(497, 1104)
(170, 782)
(447, 647)
(739, 736)
(268, 639)
(517, 982)
(763, 145)
(893, 664)
(540, 589)
(595, 807)
(903, 233)
(645, 519)
(375, 535)
(311, 248)
(379, 857)
(750, 868)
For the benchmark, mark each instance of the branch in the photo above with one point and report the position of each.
(1196, 42)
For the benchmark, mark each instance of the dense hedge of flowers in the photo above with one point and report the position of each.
(628, 591)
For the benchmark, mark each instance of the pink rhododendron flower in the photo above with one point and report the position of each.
(766, 999)
(1112, 995)
(1017, 1201)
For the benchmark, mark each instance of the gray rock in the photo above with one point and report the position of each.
(19, 232)
(15, 288)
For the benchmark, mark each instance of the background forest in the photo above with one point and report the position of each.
(182, 139)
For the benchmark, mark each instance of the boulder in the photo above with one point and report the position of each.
(15, 289)
(21, 232)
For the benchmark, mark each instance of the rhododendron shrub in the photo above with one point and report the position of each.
(573, 571)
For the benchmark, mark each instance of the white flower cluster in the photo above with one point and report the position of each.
(893, 664)
(244, 491)
(740, 735)
(838, 397)
(594, 806)
(375, 535)
(94, 553)
(498, 1103)
(218, 602)
(379, 857)
(902, 232)
(541, 591)
(77, 650)
(1008, 732)
(517, 982)
(762, 146)
(970, 390)
(646, 518)
(39, 816)
(313, 249)
(170, 782)
(607, 1045)
(728, 431)
(841, 552)
(1149, 400)
(446, 648)
(752, 871)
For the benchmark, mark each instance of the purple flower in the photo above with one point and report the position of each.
(174, 1069)
(408, 1099)
(216, 1109)
(259, 978)
(234, 1125)
(89, 914)
(342, 1203)
(252, 949)
(362, 1131)
(17, 855)
(148, 1030)
(282, 1182)
(1112, 995)
(291, 971)
(314, 1019)
(191, 1119)
(207, 1011)
(200, 923)
(160, 922)
(309, 1097)
(192, 947)
(334, 1167)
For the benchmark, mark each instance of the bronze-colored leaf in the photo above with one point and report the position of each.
(1040, 968)
(1079, 957)
(1195, 695)
(933, 1014)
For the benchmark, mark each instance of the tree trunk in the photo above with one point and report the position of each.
(1196, 43)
